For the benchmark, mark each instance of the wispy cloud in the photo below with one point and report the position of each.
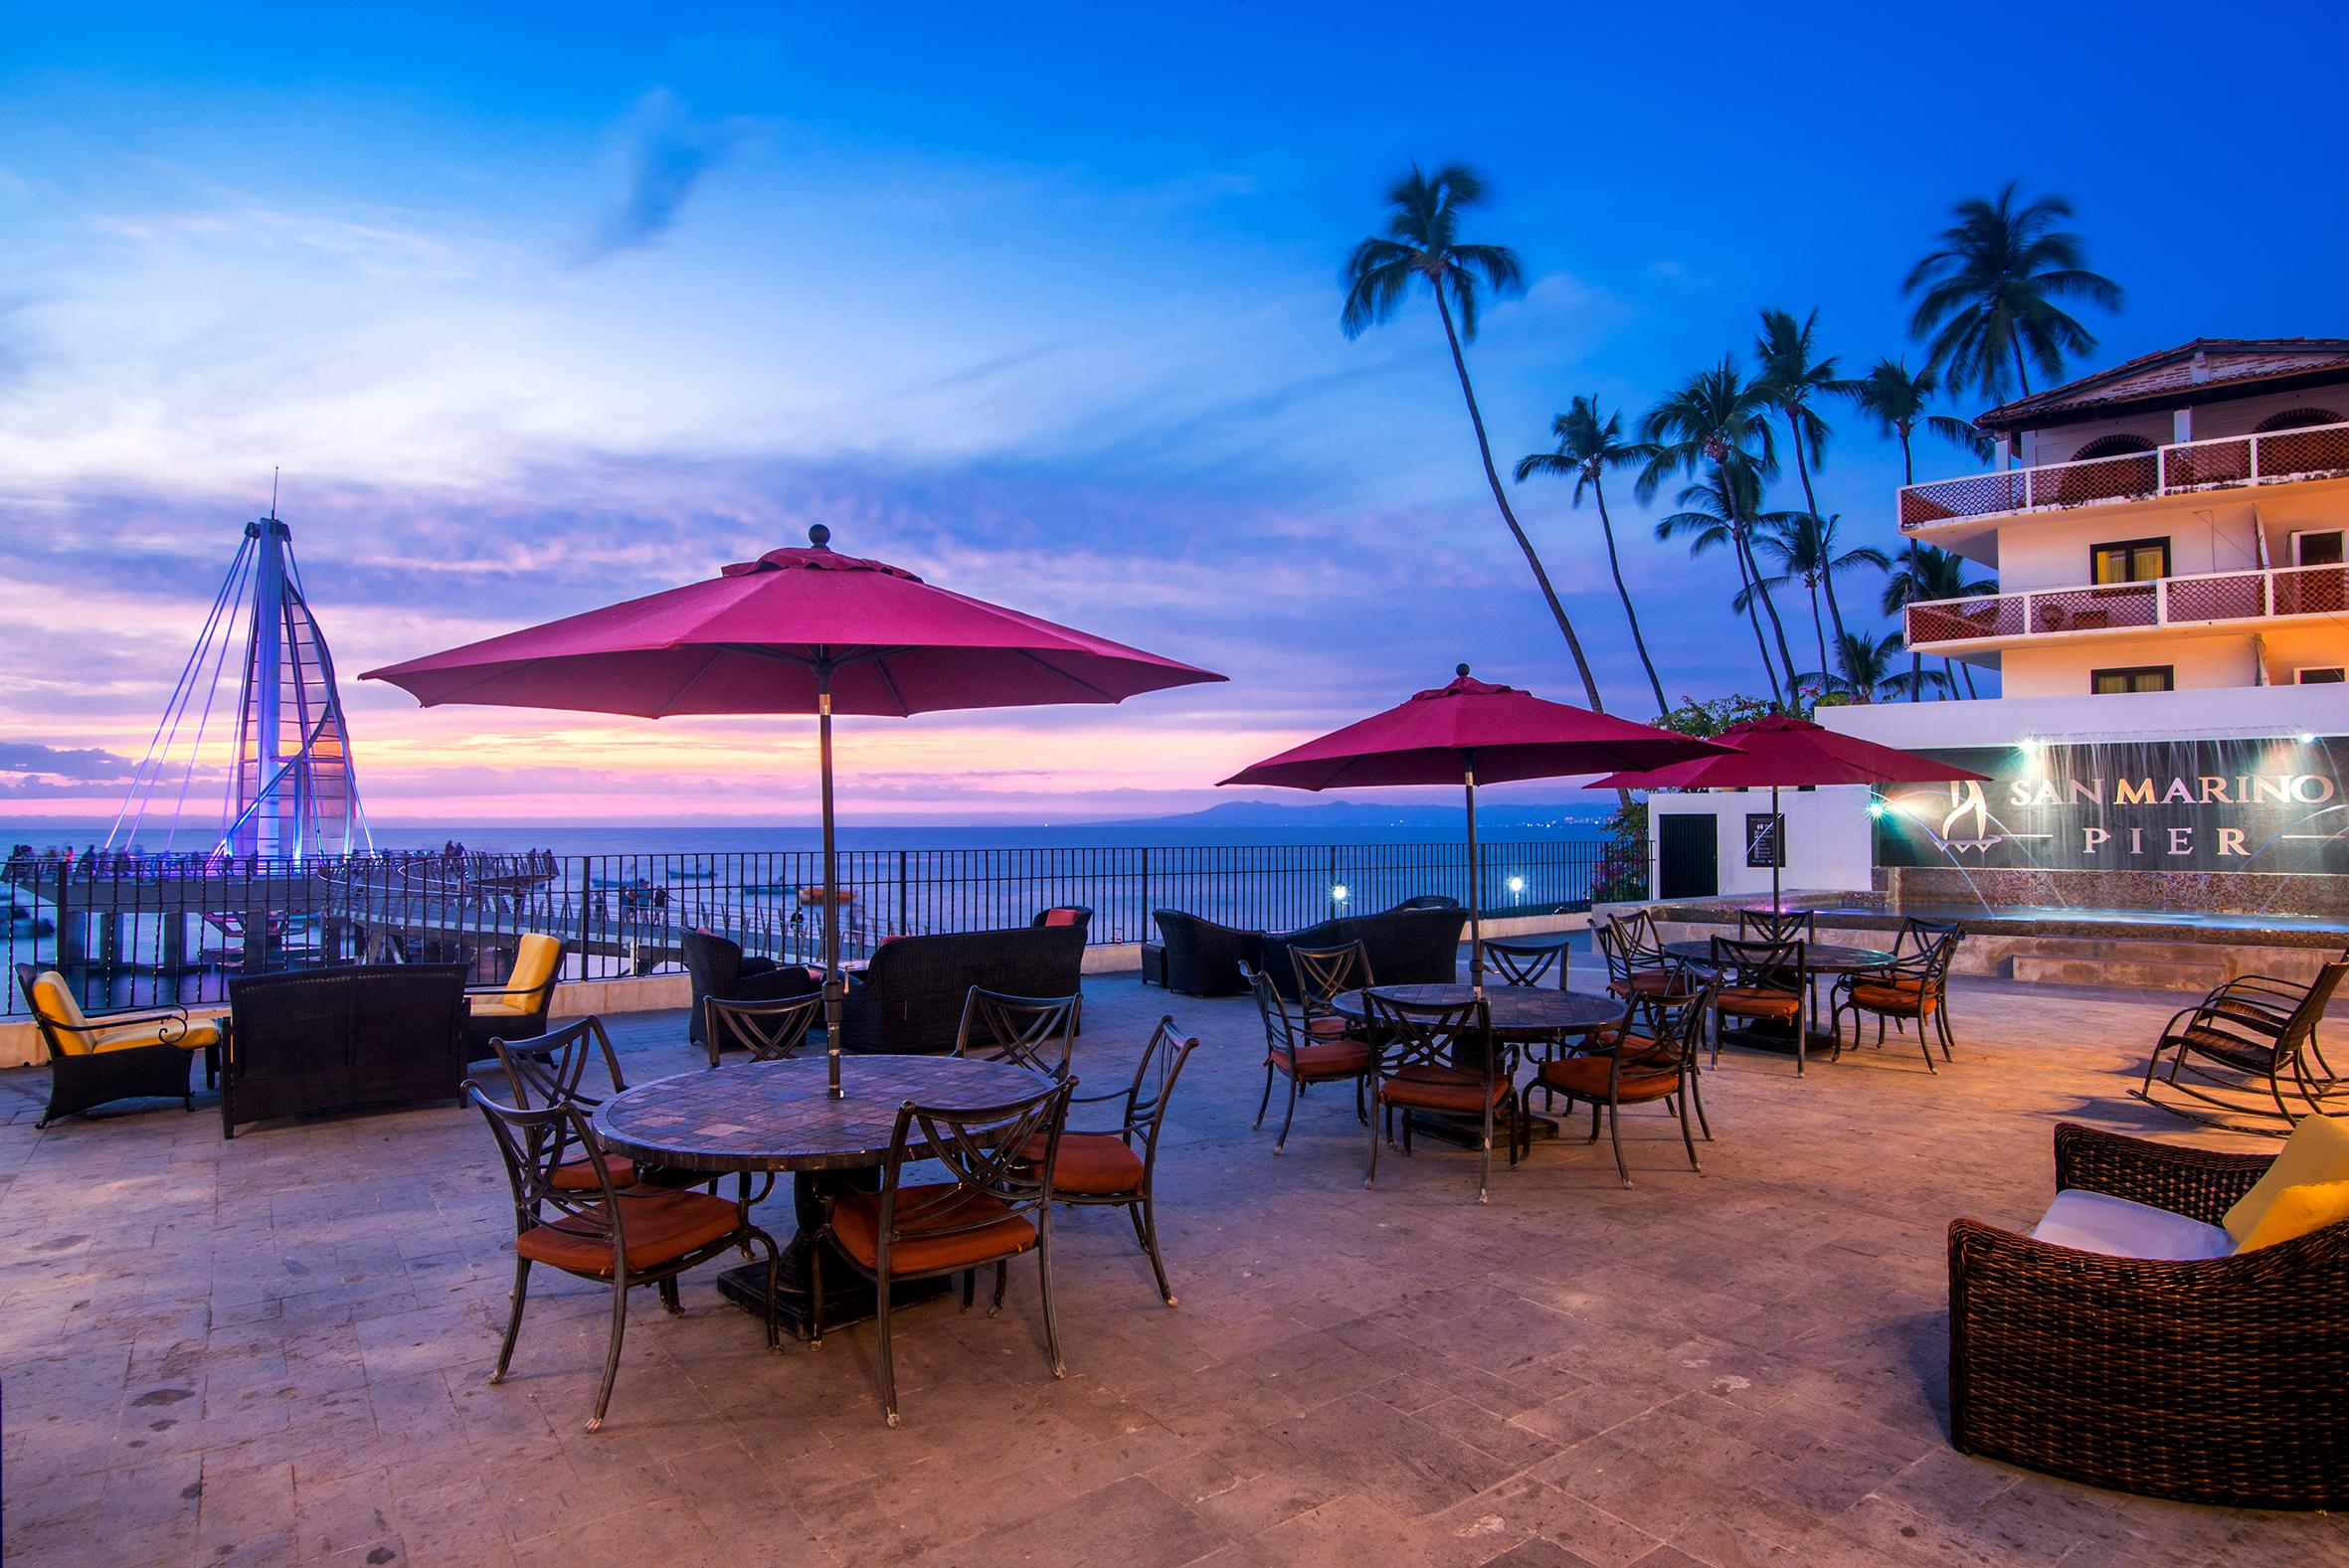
(665, 153)
(22, 758)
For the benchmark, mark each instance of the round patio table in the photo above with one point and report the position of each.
(1820, 958)
(1521, 1015)
(768, 1116)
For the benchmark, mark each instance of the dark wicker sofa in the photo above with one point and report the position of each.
(1203, 959)
(909, 999)
(2223, 1381)
(336, 1039)
(1416, 943)
(718, 968)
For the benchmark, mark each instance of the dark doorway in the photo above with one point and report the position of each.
(1685, 851)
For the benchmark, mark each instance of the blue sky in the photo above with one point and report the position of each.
(542, 309)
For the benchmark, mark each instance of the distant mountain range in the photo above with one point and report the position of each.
(1494, 817)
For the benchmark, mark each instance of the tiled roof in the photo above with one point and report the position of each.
(2201, 363)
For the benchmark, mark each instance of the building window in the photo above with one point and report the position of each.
(2138, 677)
(2318, 547)
(2129, 561)
(2319, 675)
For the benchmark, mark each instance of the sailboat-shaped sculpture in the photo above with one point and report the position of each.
(291, 793)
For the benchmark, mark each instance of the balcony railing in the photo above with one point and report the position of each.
(2165, 601)
(2315, 451)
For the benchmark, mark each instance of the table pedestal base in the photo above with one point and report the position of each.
(1762, 1035)
(848, 1296)
(1469, 1131)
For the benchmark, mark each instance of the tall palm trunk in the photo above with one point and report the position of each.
(1753, 615)
(2016, 345)
(1500, 499)
(1835, 612)
(1802, 468)
(1769, 606)
(1917, 660)
(1819, 629)
(1606, 528)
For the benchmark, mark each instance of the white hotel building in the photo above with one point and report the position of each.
(2167, 538)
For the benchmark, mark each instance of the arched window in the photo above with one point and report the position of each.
(2296, 419)
(2284, 453)
(2109, 480)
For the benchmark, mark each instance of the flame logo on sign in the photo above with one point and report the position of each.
(1965, 800)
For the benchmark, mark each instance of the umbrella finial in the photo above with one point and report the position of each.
(821, 537)
(1460, 669)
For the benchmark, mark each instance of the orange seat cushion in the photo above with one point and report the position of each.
(995, 1231)
(1091, 1162)
(1759, 1003)
(1587, 1076)
(1327, 1026)
(1645, 982)
(1330, 1059)
(1429, 1087)
(1909, 999)
(662, 1227)
(579, 1176)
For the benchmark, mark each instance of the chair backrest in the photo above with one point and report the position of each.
(1430, 1035)
(1770, 966)
(985, 1151)
(1282, 1034)
(537, 960)
(1764, 925)
(58, 1012)
(1673, 1020)
(1928, 962)
(1918, 935)
(1323, 972)
(2310, 1012)
(550, 1068)
(1034, 1032)
(771, 1031)
(537, 1140)
(1161, 1064)
(1078, 915)
(1526, 963)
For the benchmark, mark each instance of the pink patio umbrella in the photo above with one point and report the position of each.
(1778, 750)
(797, 631)
(1468, 731)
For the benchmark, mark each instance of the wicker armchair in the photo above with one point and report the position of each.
(518, 1009)
(718, 968)
(1203, 959)
(2223, 1381)
(114, 1056)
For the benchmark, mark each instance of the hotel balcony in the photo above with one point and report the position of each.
(2220, 599)
(2319, 451)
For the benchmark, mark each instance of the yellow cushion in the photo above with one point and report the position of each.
(496, 1004)
(2298, 1210)
(2317, 1154)
(534, 963)
(200, 1033)
(58, 1004)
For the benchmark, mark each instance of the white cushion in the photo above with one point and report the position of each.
(2119, 1227)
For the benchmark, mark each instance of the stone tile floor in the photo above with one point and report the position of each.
(276, 1349)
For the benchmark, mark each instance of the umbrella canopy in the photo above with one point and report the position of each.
(1464, 733)
(1512, 734)
(767, 635)
(1777, 751)
(1780, 750)
(797, 631)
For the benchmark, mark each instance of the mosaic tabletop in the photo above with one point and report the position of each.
(1516, 1009)
(1826, 957)
(778, 1116)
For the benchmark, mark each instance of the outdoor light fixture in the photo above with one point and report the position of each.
(1517, 884)
(2307, 739)
(1338, 893)
(1875, 806)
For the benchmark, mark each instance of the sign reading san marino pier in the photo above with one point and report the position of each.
(2171, 805)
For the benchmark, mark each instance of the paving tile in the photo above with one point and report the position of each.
(279, 1346)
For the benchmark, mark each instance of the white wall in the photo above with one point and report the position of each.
(2062, 670)
(2052, 549)
(2004, 721)
(1828, 843)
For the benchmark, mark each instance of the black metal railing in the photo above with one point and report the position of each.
(134, 931)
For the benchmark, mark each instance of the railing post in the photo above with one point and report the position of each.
(587, 906)
(2253, 443)
(902, 925)
(2161, 601)
(1142, 925)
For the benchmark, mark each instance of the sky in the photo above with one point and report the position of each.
(536, 309)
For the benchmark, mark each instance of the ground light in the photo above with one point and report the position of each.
(1517, 884)
(1337, 894)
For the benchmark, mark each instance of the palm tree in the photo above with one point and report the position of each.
(1803, 546)
(1588, 444)
(1718, 511)
(1928, 574)
(1987, 293)
(1897, 402)
(1422, 244)
(1719, 420)
(1865, 664)
(1792, 374)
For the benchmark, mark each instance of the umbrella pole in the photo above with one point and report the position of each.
(1777, 847)
(1476, 923)
(833, 985)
